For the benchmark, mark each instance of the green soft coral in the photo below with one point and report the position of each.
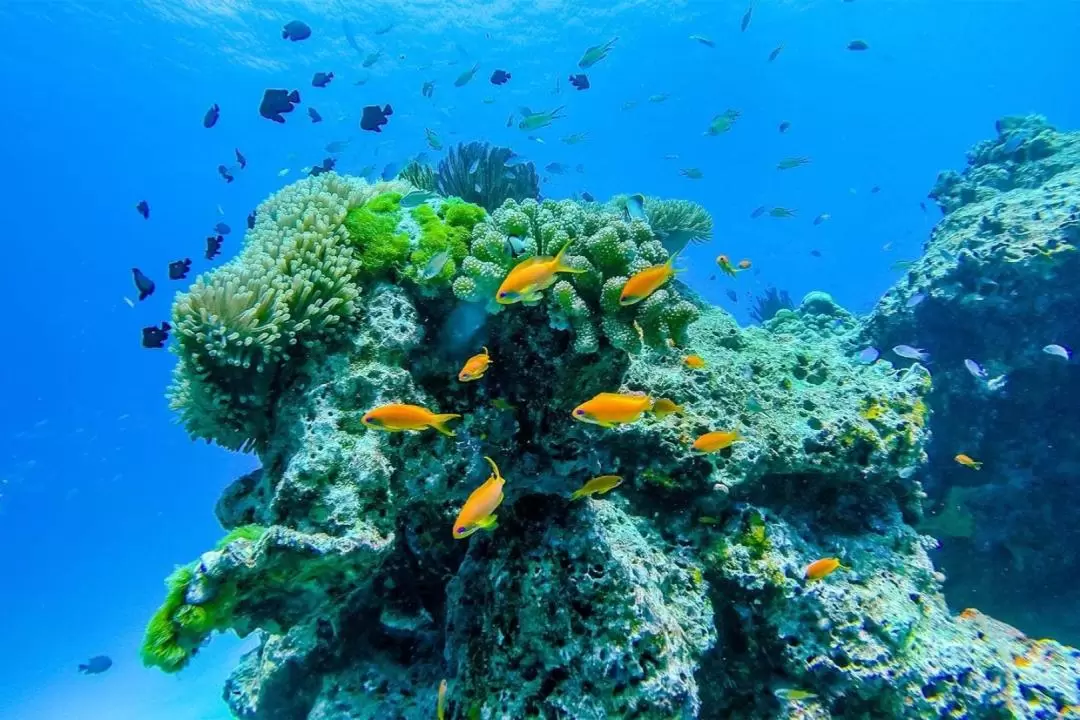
(449, 232)
(373, 228)
(605, 246)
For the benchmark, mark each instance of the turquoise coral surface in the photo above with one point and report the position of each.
(681, 594)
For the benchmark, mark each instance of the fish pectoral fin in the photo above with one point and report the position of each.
(487, 523)
(532, 296)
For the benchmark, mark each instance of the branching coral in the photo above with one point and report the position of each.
(420, 176)
(478, 173)
(772, 302)
(607, 247)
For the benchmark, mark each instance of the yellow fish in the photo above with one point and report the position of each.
(478, 511)
(440, 705)
(397, 417)
(597, 486)
(475, 367)
(664, 407)
(822, 568)
(968, 461)
(694, 362)
(611, 409)
(716, 440)
(644, 283)
(531, 276)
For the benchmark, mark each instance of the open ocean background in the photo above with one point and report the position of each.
(101, 493)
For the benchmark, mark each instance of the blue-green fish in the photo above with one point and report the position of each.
(465, 77)
(596, 53)
(535, 121)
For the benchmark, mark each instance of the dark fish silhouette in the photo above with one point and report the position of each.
(213, 246)
(875, 190)
(734, 296)
(314, 115)
(746, 18)
(784, 126)
(224, 173)
(152, 337)
(758, 211)
(295, 30)
(776, 52)
(374, 117)
(178, 269)
(858, 45)
(251, 220)
(222, 229)
(815, 253)
(327, 165)
(587, 196)
(144, 209)
(277, 102)
(321, 79)
(580, 81)
(240, 158)
(428, 88)
(211, 117)
(500, 77)
(143, 284)
(100, 663)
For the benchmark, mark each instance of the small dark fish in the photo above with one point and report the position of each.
(153, 337)
(875, 190)
(580, 81)
(776, 52)
(784, 126)
(98, 664)
(322, 79)
(240, 158)
(428, 89)
(143, 284)
(327, 166)
(587, 196)
(372, 58)
(144, 209)
(251, 220)
(178, 269)
(510, 120)
(389, 172)
(375, 117)
(858, 45)
(336, 146)
(758, 211)
(385, 29)
(210, 119)
(734, 296)
(579, 168)
(464, 78)
(213, 246)
(556, 168)
(815, 253)
(295, 30)
(922, 205)
(276, 102)
(224, 173)
(1015, 142)
(746, 18)
(500, 77)
(222, 229)
(314, 115)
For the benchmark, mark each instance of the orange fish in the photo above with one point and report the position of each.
(475, 367)
(725, 265)
(644, 283)
(967, 461)
(478, 511)
(744, 264)
(695, 362)
(597, 486)
(820, 569)
(611, 409)
(1021, 661)
(664, 407)
(531, 276)
(969, 613)
(397, 417)
(716, 440)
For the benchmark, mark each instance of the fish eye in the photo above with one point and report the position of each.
(503, 294)
(579, 412)
(460, 530)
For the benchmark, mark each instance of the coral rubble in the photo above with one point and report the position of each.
(680, 594)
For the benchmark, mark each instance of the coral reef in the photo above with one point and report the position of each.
(769, 303)
(478, 173)
(998, 277)
(679, 594)
(420, 176)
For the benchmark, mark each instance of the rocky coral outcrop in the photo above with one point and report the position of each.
(998, 277)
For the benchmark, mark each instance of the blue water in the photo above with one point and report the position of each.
(101, 493)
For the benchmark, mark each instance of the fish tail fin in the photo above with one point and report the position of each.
(439, 423)
(294, 96)
(576, 495)
(555, 113)
(977, 465)
(670, 264)
(560, 264)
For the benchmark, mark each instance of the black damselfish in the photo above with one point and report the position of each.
(213, 246)
(322, 79)
(276, 102)
(580, 81)
(178, 269)
(500, 77)
(155, 337)
(211, 117)
(295, 30)
(143, 284)
(374, 117)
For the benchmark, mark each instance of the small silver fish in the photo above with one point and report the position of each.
(915, 300)
(413, 198)
(975, 369)
(435, 265)
(514, 246)
(635, 208)
(475, 164)
(995, 384)
(911, 353)
(869, 355)
(907, 472)
(1058, 351)
(283, 172)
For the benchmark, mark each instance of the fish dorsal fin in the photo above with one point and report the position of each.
(529, 262)
(495, 469)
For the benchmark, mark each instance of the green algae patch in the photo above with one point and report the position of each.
(373, 228)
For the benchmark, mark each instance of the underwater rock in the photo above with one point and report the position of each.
(675, 595)
(999, 280)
